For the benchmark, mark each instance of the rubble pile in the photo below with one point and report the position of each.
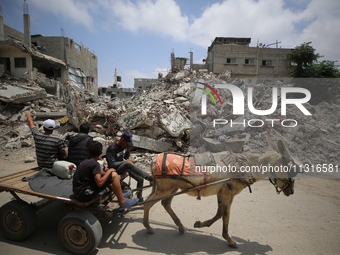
(166, 118)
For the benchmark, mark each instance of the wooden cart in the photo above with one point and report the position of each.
(79, 231)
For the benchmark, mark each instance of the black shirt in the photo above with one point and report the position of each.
(115, 155)
(84, 176)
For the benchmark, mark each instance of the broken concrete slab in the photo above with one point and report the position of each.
(152, 132)
(50, 115)
(22, 94)
(75, 103)
(147, 143)
(183, 90)
(175, 124)
(181, 75)
(133, 120)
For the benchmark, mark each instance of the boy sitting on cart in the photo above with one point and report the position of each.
(89, 180)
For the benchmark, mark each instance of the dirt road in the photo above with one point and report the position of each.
(262, 222)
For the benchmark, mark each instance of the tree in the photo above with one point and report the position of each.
(307, 64)
(325, 69)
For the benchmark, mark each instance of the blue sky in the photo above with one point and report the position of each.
(138, 36)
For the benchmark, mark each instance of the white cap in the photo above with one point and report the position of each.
(49, 124)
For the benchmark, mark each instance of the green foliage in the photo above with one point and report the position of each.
(307, 65)
(325, 69)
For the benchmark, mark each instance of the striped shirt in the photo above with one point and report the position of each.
(47, 147)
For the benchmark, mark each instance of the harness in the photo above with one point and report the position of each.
(176, 176)
(274, 182)
(247, 182)
(239, 160)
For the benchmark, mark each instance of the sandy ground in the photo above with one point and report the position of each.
(262, 222)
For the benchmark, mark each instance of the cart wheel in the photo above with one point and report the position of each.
(17, 220)
(80, 232)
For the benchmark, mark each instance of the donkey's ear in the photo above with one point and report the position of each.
(282, 149)
(271, 144)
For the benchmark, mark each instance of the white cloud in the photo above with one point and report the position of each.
(76, 11)
(162, 17)
(269, 21)
(263, 20)
(323, 30)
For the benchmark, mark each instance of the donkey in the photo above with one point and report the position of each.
(165, 188)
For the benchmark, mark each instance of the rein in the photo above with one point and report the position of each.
(274, 182)
(278, 190)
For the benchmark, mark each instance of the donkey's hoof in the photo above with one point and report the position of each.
(197, 224)
(233, 245)
(150, 231)
(181, 230)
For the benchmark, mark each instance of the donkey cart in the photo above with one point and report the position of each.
(79, 231)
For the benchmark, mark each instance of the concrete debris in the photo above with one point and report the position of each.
(165, 118)
(147, 143)
(182, 75)
(132, 120)
(20, 94)
(183, 90)
(29, 159)
(175, 124)
(49, 115)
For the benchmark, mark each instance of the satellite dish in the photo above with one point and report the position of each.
(260, 44)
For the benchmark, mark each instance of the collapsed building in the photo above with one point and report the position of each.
(57, 58)
(163, 115)
(165, 118)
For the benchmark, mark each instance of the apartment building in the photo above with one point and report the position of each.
(234, 55)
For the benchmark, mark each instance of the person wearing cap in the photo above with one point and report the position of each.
(48, 147)
(117, 156)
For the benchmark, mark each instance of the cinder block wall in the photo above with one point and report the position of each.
(279, 67)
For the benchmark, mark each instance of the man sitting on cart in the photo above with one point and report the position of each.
(117, 156)
(89, 180)
(49, 148)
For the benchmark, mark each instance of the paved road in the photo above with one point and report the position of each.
(262, 223)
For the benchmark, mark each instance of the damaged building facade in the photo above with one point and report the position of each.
(233, 55)
(58, 58)
(144, 83)
(82, 64)
(116, 92)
